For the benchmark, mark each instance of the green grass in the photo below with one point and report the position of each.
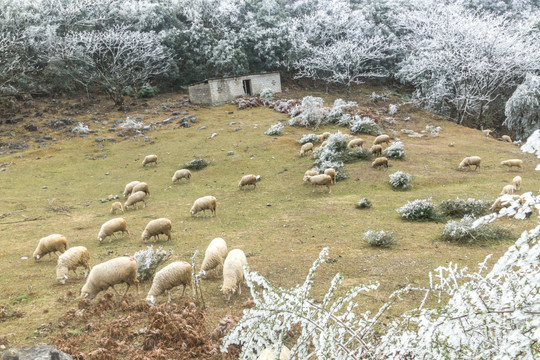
(282, 223)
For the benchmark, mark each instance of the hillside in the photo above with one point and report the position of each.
(282, 225)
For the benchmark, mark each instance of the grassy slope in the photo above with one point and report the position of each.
(282, 222)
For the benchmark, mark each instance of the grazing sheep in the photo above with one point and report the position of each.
(487, 132)
(50, 244)
(507, 189)
(324, 143)
(149, 159)
(116, 207)
(173, 275)
(269, 354)
(157, 227)
(204, 203)
(305, 148)
(71, 260)
(506, 138)
(109, 273)
(142, 186)
(325, 135)
(513, 162)
(356, 143)
(248, 180)
(469, 161)
(214, 256)
(380, 161)
(332, 173)
(504, 201)
(516, 182)
(181, 174)
(129, 188)
(134, 199)
(376, 150)
(112, 226)
(320, 180)
(233, 273)
(309, 173)
(381, 139)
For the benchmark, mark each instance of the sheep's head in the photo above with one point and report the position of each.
(62, 279)
(87, 296)
(227, 292)
(37, 257)
(203, 274)
(151, 300)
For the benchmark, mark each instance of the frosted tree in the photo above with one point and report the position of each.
(523, 108)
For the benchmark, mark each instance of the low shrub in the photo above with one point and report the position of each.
(310, 113)
(380, 238)
(400, 180)
(366, 125)
(364, 203)
(312, 138)
(266, 94)
(465, 232)
(276, 129)
(339, 110)
(418, 210)
(81, 128)
(147, 91)
(395, 151)
(149, 260)
(357, 154)
(461, 207)
(332, 155)
(195, 164)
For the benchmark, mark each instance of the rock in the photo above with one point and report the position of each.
(238, 129)
(38, 352)
(229, 153)
(14, 120)
(213, 135)
(105, 122)
(2, 169)
(61, 123)
(146, 139)
(31, 128)
(185, 124)
(451, 144)
(268, 204)
(169, 120)
(176, 113)
(108, 173)
(232, 123)
(99, 139)
(190, 118)
(146, 128)
(47, 137)
(18, 146)
(103, 200)
(202, 128)
(138, 118)
(24, 258)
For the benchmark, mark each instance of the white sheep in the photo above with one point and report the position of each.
(305, 148)
(470, 161)
(325, 135)
(71, 260)
(513, 162)
(381, 139)
(204, 203)
(181, 174)
(248, 180)
(358, 142)
(117, 207)
(332, 173)
(175, 274)
(214, 256)
(507, 189)
(142, 186)
(376, 150)
(109, 273)
(309, 173)
(487, 132)
(112, 226)
(324, 143)
(157, 227)
(506, 138)
(149, 159)
(129, 188)
(233, 273)
(380, 161)
(270, 354)
(134, 199)
(516, 182)
(50, 244)
(320, 180)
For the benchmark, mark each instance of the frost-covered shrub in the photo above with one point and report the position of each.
(418, 210)
(339, 110)
(357, 154)
(395, 151)
(332, 155)
(310, 113)
(433, 130)
(131, 124)
(532, 145)
(312, 138)
(381, 238)
(276, 129)
(465, 231)
(266, 94)
(364, 203)
(149, 260)
(392, 109)
(461, 207)
(522, 110)
(347, 119)
(81, 128)
(195, 164)
(366, 125)
(147, 91)
(400, 180)
(376, 97)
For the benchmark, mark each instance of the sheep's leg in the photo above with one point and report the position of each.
(144, 204)
(116, 291)
(329, 190)
(125, 292)
(239, 287)
(183, 291)
(168, 296)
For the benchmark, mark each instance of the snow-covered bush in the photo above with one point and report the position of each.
(131, 124)
(465, 231)
(339, 110)
(376, 97)
(81, 128)
(276, 129)
(332, 155)
(461, 207)
(395, 151)
(392, 109)
(312, 138)
(366, 125)
(400, 180)
(418, 210)
(433, 130)
(310, 113)
(364, 203)
(381, 238)
(266, 94)
(149, 260)
(353, 155)
(147, 91)
(522, 110)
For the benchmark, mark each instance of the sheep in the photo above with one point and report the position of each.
(324, 143)
(270, 354)
(506, 138)
(149, 159)
(214, 256)
(135, 198)
(507, 189)
(513, 162)
(324, 136)
(381, 139)
(175, 274)
(109, 273)
(204, 203)
(309, 173)
(332, 173)
(157, 227)
(233, 273)
(380, 161)
(142, 186)
(487, 132)
(504, 201)
(181, 174)
(320, 180)
(50, 244)
(117, 206)
(305, 148)
(356, 143)
(469, 161)
(376, 150)
(516, 182)
(112, 226)
(248, 180)
(71, 260)
(129, 188)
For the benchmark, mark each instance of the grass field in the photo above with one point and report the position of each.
(282, 225)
